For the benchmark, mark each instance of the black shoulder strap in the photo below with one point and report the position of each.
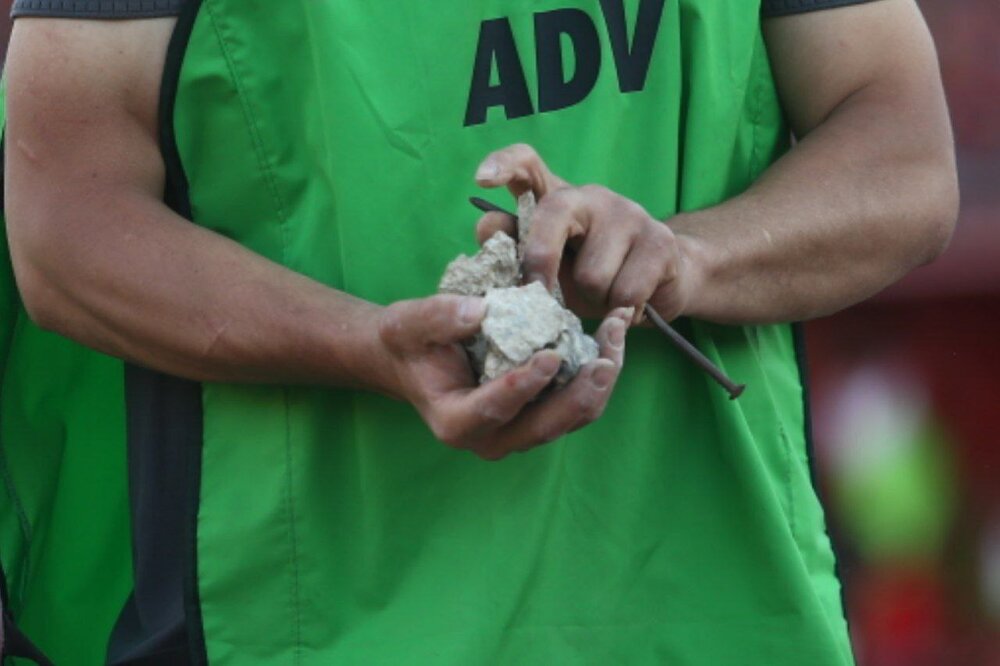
(97, 9)
(775, 8)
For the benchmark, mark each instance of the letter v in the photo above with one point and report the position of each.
(632, 60)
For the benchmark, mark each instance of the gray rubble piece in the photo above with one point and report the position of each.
(525, 215)
(496, 265)
(520, 321)
(523, 320)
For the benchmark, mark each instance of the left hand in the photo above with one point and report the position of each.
(623, 256)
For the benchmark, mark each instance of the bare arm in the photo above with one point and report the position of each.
(100, 259)
(867, 194)
(98, 256)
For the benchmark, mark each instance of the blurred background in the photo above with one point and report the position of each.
(904, 397)
(905, 405)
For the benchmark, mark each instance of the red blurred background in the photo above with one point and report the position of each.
(903, 396)
(904, 393)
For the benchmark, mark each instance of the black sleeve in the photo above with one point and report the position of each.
(97, 9)
(771, 8)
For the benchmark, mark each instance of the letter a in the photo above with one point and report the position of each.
(496, 43)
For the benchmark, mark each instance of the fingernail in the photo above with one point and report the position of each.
(472, 310)
(628, 315)
(488, 170)
(603, 375)
(546, 365)
(616, 333)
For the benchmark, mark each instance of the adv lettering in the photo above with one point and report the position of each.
(557, 89)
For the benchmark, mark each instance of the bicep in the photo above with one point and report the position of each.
(880, 51)
(81, 121)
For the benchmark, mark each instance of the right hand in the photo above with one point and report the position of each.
(429, 368)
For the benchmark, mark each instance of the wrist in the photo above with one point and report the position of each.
(696, 260)
(376, 365)
(356, 356)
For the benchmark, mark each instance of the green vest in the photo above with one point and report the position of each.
(64, 519)
(339, 139)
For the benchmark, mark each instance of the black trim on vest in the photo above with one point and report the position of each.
(162, 622)
(177, 195)
(774, 8)
(799, 339)
(96, 9)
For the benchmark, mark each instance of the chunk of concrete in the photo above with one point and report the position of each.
(496, 265)
(520, 321)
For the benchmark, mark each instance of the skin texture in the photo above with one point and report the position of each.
(868, 193)
(90, 254)
(870, 187)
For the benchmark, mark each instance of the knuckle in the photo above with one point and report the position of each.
(543, 434)
(447, 433)
(622, 295)
(596, 191)
(661, 239)
(591, 281)
(588, 407)
(391, 325)
(632, 210)
(538, 257)
(525, 152)
(585, 399)
(549, 435)
(670, 272)
(491, 454)
(558, 200)
(492, 416)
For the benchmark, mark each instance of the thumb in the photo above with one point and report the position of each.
(439, 320)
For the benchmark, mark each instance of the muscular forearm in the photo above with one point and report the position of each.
(99, 258)
(133, 280)
(867, 194)
(852, 208)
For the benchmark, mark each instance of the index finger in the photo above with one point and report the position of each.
(558, 218)
(519, 168)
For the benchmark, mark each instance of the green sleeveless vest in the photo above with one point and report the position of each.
(339, 139)
(64, 519)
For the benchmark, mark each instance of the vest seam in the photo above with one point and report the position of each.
(292, 538)
(785, 441)
(753, 164)
(256, 138)
(253, 126)
(755, 91)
